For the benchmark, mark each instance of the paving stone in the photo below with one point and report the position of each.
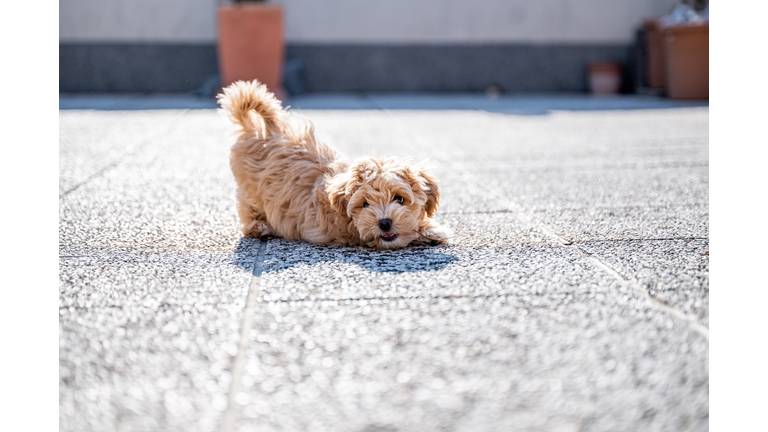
(620, 223)
(155, 280)
(113, 215)
(607, 157)
(365, 133)
(503, 329)
(299, 271)
(146, 341)
(577, 189)
(91, 141)
(673, 271)
(569, 160)
(575, 361)
(486, 137)
(486, 229)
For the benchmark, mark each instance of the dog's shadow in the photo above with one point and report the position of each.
(283, 254)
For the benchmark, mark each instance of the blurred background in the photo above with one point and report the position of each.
(492, 46)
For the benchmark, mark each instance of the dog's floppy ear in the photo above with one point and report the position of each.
(433, 194)
(342, 186)
(428, 185)
(337, 192)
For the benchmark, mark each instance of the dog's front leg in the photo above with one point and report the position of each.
(432, 233)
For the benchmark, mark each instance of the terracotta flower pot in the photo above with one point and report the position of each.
(250, 44)
(604, 78)
(686, 48)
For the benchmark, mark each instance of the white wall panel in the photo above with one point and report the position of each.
(367, 21)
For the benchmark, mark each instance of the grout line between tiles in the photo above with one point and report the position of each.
(119, 159)
(692, 322)
(238, 363)
(398, 298)
(578, 209)
(98, 173)
(634, 285)
(614, 167)
(639, 240)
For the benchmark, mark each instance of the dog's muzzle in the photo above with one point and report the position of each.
(385, 225)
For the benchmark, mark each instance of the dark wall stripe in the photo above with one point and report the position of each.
(343, 68)
(135, 67)
(440, 68)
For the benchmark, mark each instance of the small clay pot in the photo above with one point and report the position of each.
(604, 78)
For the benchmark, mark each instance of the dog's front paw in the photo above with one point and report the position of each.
(434, 235)
(258, 229)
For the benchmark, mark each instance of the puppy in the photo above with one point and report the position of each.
(292, 185)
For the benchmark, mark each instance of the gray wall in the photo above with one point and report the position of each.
(352, 45)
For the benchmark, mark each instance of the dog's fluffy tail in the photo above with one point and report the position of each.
(242, 98)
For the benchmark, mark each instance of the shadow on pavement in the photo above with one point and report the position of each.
(282, 254)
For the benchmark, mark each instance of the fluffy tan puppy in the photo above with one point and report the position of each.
(291, 185)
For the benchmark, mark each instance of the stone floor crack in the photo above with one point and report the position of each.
(98, 173)
(690, 320)
(238, 363)
(642, 239)
(397, 298)
(118, 160)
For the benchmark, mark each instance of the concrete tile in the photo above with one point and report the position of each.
(623, 223)
(197, 147)
(566, 159)
(577, 189)
(598, 156)
(462, 192)
(155, 280)
(478, 135)
(366, 133)
(145, 369)
(146, 342)
(331, 102)
(90, 141)
(503, 363)
(673, 271)
(491, 229)
(117, 215)
(299, 271)
(502, 330)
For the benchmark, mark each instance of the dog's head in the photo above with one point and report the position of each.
(386, 199)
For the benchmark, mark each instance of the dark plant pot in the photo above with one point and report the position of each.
(657, 75)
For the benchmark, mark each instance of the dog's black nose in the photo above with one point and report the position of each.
(385, 224)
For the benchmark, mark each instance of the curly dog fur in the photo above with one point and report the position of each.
(292, 185)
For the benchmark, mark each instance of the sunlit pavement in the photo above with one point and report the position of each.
(574, 297)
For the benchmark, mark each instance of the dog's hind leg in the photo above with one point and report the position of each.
(252, 221)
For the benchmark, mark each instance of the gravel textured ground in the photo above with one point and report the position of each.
(574, 296)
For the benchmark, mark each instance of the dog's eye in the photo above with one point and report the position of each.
(399, 199)
(365, 204)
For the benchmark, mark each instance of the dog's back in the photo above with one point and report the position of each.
(278, 166)
(261, 116)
